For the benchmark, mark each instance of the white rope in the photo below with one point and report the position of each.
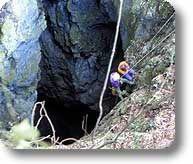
(109, 68)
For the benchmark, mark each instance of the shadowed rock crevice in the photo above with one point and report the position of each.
(73, 121)
(76, 48)
(73, 39)
(77, 44)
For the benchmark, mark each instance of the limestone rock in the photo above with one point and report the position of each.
(81, 34)
(21, 23)
(75, 52)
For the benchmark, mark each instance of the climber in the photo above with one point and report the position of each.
(126, 72)
(115, 82)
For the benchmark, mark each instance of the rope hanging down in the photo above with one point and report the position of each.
(109, 68)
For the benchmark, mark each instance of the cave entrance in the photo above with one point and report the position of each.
(73, 121)
(75, 57)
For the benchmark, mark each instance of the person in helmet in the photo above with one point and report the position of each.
(115, 82)
(126, 72)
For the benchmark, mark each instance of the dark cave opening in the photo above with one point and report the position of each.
(67, 115)
(73, 67)
(72, 121)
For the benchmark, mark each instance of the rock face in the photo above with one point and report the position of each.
(21, 24)
(75, 52)
(73, 39)
(145, 119)
(141, 19)
(77, 44)
(75, 49)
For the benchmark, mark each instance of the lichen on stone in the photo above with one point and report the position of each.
(21, 25)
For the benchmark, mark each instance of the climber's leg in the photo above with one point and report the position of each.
(119, 93)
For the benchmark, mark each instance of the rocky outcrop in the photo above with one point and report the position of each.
(75, 52)
(75, 49)
(145, 119)
(75, 39)
(77, 44)
(21, 23)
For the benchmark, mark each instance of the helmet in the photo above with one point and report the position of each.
(123, 67)
(115, 76)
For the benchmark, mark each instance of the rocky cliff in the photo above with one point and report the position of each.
(21, 23)
(78, 40)
(58, 51)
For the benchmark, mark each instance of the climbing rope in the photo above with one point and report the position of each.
(109, 69)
